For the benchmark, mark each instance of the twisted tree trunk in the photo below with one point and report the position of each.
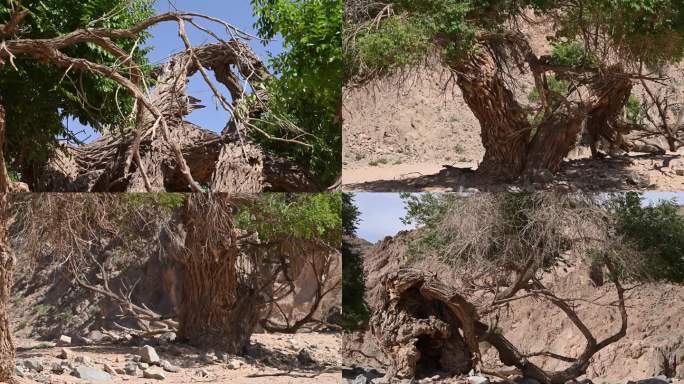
(510, 148)
(221, 295)
(611, 92)
(226, 162)
(420, 324)
(504, 127)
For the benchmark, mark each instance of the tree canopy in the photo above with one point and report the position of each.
(651, 31)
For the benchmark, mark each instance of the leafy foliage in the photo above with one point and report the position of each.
(308, 89)
(396, 42)
(657, 230)
(633, 109)
(571, 53)
(297, 215)
(651, 31)
(39, 92)
(355, 311)
(350, 215)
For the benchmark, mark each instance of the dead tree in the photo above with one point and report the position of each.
(657, 115)
(309, 273)
(154, 154)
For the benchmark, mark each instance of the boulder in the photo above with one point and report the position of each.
(64, 341)
(92, 374)
(168, 367)
(149, 355)
(132, 369)
(154, 373)
(34, 365)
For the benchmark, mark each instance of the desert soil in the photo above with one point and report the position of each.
(271, 358)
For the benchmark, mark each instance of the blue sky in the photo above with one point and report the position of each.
(381, 212)
(165, 41)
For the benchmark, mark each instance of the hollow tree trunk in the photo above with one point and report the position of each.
(504, 125)
(221, 302)
(6, 268)
(419, 327)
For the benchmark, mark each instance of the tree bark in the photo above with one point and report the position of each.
(554, 139)
(6, 268)
(221, 295)
(504, 125)
(419, 327)
(610, 93)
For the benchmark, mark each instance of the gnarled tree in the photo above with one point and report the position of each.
(502, 248)
(236, 256)
(486, 50)
(147, 146)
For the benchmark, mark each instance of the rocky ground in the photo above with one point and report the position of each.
(271, 358)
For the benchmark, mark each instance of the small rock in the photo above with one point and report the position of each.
(136, 358)
(120, 371)
(304, 357)
(477, 380)
(19, 370)
(223, 357)
(168, 337)
(34, 365)
(143, 366)
(64, 341)
(57, 368)
(360, 379)
(132, 369)
(208, 357)
(65, 354)
(92, 374)
(234, 364)
(202, 373)
(149, 355)
(95, 336)
(154, 374)
(108, 368)
(168, 367)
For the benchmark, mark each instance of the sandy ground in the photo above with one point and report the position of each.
(271, 366)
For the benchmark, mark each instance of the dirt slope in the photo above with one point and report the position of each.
(655, 332)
